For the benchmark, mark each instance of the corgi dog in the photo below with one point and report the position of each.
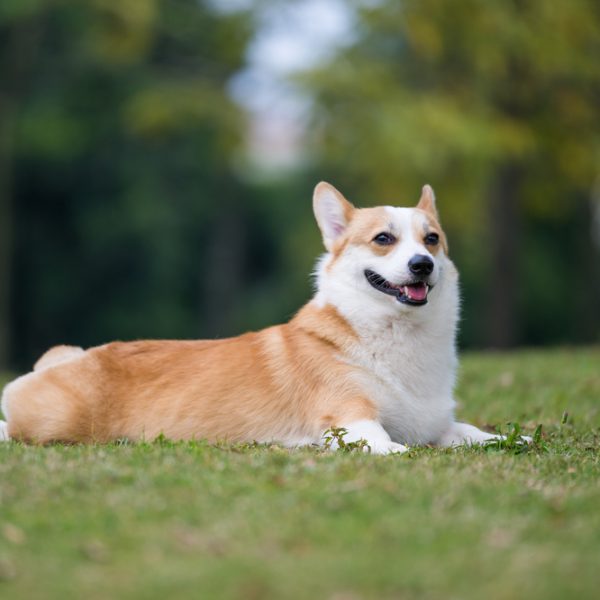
(373, 352)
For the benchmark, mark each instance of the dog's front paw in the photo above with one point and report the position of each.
(519, 439)
(386, 448)
(526, 439)
(503, 440)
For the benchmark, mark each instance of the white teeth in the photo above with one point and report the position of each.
(405, 290)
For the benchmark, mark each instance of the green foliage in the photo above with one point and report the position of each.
(438, 88)
(334, 440)
(124, 212)
(495, 104)
(513, 440)
(128, 198)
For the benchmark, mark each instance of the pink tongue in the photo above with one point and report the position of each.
(417, 291)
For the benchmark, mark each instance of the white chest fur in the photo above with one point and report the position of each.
(406, 359)
(409, 375)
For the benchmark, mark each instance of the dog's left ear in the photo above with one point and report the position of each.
(332, 211)
(427, 201)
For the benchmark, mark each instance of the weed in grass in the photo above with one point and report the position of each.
(513, 442)
(334, 439)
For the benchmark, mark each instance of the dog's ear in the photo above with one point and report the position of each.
(332, 211)
(427, 201)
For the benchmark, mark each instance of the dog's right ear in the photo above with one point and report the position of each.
(332, 211)
(427, 201)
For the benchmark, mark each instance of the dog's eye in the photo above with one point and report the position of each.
(432, 239)
(384, 239)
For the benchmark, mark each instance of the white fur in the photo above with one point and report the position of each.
(4, 431)
(329, 212)
(12, 388)
(463, 433)
(406, 354)
(377, 438)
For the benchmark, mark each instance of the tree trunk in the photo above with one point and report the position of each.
(502, 318)
(6, 242)
(223, 283)
(22, 41)
(589, 322)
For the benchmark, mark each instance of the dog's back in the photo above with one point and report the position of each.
(280, 383)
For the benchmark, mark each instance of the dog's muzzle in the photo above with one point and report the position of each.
(414, 292)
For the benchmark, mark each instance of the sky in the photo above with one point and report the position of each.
(291, 37)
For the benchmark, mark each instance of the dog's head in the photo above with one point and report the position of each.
(396, 255)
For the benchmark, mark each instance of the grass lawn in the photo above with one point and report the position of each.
(193, 521)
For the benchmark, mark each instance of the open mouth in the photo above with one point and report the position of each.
(413, 293)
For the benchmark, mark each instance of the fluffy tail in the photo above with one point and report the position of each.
(57, 355)
(4, 431)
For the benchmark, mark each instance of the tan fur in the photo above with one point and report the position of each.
(348, 207)
(366, 224)
(348, 211)
(57, 355)
(235, 389)
(427, 202)
(427, 205)
(372, 222)
(433, 226)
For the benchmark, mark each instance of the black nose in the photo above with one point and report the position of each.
(420, 264)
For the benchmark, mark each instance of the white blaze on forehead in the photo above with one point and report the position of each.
(404, 221)
(407, 224)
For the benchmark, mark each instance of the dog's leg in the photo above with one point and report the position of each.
(464, 434)
(461, 434)
(4, 431)
(377, 438)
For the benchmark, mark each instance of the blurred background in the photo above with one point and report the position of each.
(157, 159)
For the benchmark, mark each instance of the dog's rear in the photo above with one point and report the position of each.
(32, 412)
(40, 406)
(57, 355)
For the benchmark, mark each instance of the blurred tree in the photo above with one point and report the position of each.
(117, 139)
(495, 103)
(123, 213)
(18, 47)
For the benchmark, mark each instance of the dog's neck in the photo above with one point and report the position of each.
(388, 335)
